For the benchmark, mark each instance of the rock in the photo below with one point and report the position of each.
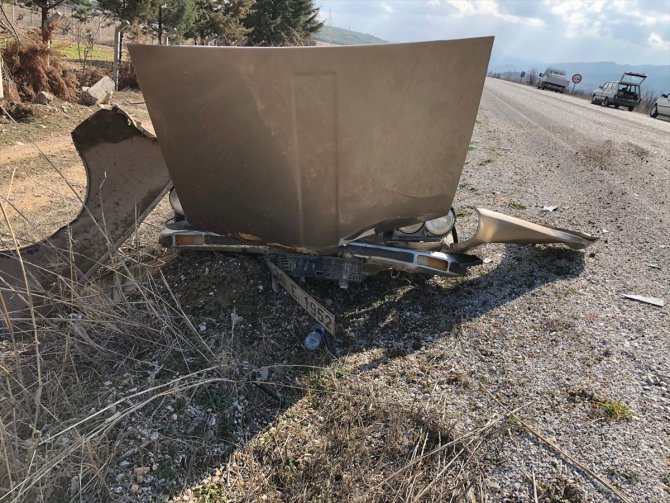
(134, 489)
(141, 470)
(43, 98)
(98, 92)
(106, 99)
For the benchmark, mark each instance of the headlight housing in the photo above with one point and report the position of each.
(441, 226)
(411, 229)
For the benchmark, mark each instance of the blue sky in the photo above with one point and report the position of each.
(623, 31)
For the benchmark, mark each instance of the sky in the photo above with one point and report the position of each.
(623, 31)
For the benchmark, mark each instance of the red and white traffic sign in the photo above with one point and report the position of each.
(576, 78)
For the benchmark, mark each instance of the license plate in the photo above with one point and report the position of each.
(313, 308)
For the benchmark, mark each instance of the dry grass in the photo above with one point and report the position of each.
(57, 422)
(350, 439)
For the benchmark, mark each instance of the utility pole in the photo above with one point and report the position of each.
(118, 52)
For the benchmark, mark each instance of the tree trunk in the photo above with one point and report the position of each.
(46, 33)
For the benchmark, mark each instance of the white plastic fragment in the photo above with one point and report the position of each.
(654, 301)
(549, 208)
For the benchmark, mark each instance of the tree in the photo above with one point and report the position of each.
(283, 22)
(129, 10)
(80, 7)
(221, 19)
(174, 17)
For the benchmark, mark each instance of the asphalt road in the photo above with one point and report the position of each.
(608, 172)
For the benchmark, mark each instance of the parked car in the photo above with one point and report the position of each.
(554, 79)
(661, 106)
(624, 92)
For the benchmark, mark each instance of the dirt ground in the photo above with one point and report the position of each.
(531, 379)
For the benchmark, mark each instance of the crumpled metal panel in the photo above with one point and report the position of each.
(126, 177)
(306, 146)
(494, 227)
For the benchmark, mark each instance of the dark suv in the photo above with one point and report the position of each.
(624, 92)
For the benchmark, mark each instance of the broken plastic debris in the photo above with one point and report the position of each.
(488, 260)
(654, 301)
(549, 208)
(654, 266)
(471, 148)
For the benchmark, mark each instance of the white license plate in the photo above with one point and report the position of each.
(313, 308)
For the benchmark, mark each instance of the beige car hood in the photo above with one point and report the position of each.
(306, 146)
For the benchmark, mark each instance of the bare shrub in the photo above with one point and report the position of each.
(532, 77)
(649, 97)
(21, 112)
(10, 90)
(85, 42)
(127, 76)
(89, 75)
(34, 67)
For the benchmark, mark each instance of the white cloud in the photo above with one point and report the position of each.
(657, 41)
(490, 8)
(387, 8)
(580, 17)
(625, 31)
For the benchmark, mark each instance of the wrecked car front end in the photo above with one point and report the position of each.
(332, 162)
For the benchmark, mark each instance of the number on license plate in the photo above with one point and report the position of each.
(313, 308)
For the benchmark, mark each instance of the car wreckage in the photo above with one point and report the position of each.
(331, 162)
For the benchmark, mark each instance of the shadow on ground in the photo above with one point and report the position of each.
(399, 315)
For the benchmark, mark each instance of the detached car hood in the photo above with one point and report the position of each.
(306, 147)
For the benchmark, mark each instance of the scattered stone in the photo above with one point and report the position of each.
(263, 374)
(43, 98)
(98, 92)
(134, 489)
(141, 470)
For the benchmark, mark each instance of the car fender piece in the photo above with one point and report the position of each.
(126, 177)
(496, 227)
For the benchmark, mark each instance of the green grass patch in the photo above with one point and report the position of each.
(69, 49)
(614, 410)
(610, 408)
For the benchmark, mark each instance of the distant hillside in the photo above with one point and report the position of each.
(340, 36)
(594, 74)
